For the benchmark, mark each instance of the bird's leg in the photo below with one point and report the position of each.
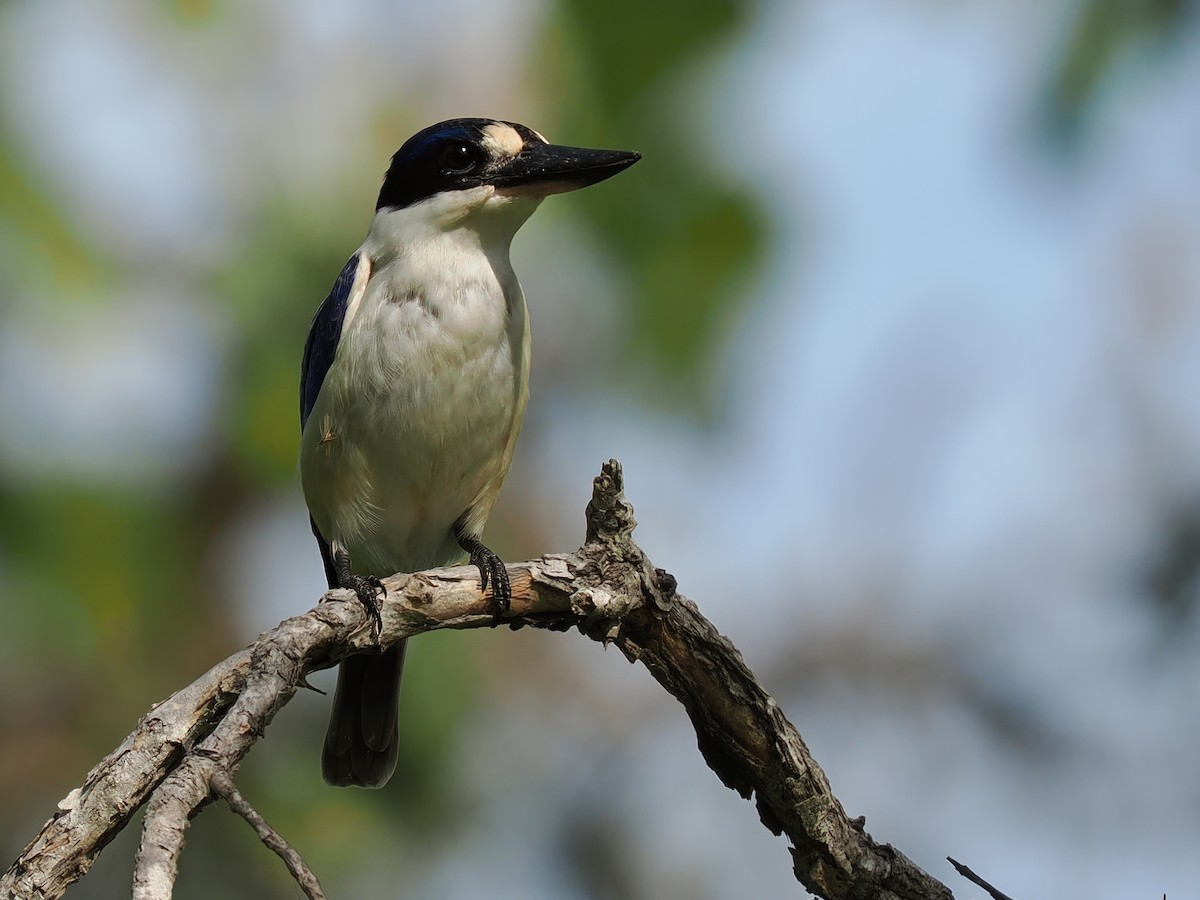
(491, 569)
(367, 588)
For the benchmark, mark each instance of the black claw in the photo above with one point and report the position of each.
(501, 588)
(491, 571)
(367, 588)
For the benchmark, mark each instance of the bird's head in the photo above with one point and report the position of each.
(485, 168)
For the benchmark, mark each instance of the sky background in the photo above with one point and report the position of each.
(896, 330)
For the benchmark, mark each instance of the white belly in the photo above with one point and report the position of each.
(415, 422)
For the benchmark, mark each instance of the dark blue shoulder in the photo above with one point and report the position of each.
(323, 336)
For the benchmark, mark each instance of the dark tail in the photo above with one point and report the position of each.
(361, 741)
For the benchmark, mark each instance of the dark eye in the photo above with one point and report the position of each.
(458, 158)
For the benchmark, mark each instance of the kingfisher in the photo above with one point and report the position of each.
(413, 385)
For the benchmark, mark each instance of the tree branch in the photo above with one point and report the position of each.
(965, 871)
(185, 750)
(303, 875)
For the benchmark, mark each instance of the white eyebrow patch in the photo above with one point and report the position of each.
(502, 140)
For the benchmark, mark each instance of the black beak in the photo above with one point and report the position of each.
(541, 169)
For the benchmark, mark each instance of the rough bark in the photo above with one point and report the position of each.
(184, 752)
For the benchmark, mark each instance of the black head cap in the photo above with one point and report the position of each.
(464, 153)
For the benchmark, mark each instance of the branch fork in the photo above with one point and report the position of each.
(184, 753)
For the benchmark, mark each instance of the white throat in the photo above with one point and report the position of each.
(480, 218)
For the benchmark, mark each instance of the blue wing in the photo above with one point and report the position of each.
(323, 336)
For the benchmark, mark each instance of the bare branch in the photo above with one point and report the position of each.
(607, 589)
(224, 787)
(168, 813)
(92, 814)
(965, 871)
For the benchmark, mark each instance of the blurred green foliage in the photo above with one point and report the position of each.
(37, 242)
(688, 235)
(1104, 33)
(113, 598)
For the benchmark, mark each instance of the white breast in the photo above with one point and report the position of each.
(417, 418)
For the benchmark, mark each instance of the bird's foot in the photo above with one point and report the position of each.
(491, 571)
(368, 589)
